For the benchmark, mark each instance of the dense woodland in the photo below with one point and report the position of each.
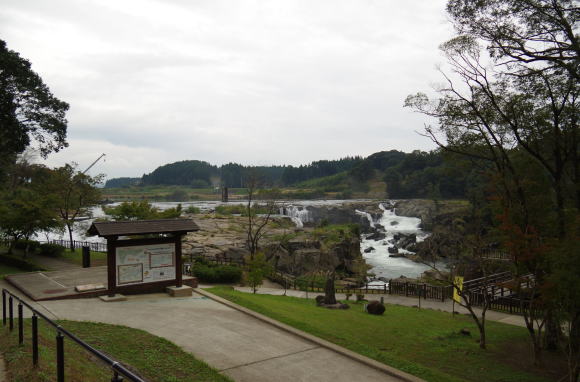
(408, 175)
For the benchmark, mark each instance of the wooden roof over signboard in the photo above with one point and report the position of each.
(142, 227)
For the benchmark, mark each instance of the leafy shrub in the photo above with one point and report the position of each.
(230, 209)
(308, 281)
(32, 245)
(240, 209)
(51, 250)
(217, 273)
(18, 263)
(192, 210)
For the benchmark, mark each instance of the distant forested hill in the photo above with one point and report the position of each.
(188, 173)
(122, 182)
(407, 175)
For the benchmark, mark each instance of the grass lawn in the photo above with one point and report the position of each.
(154, 358)
(422, 342)
(76, 257)
(9, 270)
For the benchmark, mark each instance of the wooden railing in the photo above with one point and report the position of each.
(433, 292)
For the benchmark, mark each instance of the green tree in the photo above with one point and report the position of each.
(521, 116)
(257, 270)
(25, 206)
(142, 210)
(29, 112)
(74, 193)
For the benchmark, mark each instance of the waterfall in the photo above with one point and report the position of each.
(298, 214)
(368, 216)
(378, 248)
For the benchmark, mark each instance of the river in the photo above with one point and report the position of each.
(382, 265)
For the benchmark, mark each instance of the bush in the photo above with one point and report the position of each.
(51, 250)
(192, 210)
(19, 263)
(217, 273)
(32, 245)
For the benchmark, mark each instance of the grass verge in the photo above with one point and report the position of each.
(154, 358)
(9, 270)
(422, 342)
(76, 257)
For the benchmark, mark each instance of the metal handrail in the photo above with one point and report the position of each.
(116, 366)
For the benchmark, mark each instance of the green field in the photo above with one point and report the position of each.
(332, 187)
(167, 193)
(424, 343)
(154, 358)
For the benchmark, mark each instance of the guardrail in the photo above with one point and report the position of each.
(95, 247)
(119, 371)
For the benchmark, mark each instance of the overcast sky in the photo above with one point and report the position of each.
(254, 82)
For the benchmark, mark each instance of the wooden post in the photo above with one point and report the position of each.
(178, 270)
(112, 265)
(406, 289)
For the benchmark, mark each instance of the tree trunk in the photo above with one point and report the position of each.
(70, 235)
(329, 292)
(537, 352)
(482, 340)
(552, 334)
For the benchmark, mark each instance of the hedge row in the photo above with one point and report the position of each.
(19, 263)
(217, 273)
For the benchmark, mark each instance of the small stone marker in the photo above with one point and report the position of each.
(115, 298)
(182, 291)
(89, 287)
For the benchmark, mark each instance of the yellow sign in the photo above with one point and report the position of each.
(457, 286)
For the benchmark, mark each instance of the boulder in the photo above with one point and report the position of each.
(378, 235)
(406, 240)
(393, 249)
(465, 332)
(319, 300)
(369, 249)
(375, 307)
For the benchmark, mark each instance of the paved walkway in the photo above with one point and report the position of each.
(238, 345)
(51, 264)
(446, 306)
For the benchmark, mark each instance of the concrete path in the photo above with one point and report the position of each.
(238, 345)
(446, 306)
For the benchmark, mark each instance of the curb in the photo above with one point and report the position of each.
(319, 341)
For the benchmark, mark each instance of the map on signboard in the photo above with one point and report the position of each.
(130, 273)
(145, 263)
(158, 260)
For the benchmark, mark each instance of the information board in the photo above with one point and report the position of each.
(145, 263)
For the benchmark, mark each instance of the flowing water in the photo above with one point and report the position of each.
(382, 265)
